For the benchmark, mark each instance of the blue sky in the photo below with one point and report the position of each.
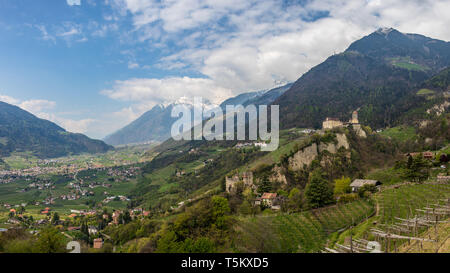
(94, 66)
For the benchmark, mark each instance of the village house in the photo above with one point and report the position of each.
(98, 243)
(115, 217)
(426, 155)
(359, 183)
(73, 228)
(92, 230)
(268, 199)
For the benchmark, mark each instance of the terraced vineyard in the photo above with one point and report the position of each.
(299, 232)
(403, 201)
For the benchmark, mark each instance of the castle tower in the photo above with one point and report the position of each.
(354, 119)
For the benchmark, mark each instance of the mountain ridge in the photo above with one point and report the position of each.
(22, 131)
(376, 74)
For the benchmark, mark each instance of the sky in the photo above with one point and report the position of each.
(93, 66)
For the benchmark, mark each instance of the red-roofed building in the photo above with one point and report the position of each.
(73, 228)
(268, 198)
(428, 155)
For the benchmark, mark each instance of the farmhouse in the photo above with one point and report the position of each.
(268, 198)
(359, 183)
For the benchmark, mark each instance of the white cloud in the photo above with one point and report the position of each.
(45, 35)
(74, 2)
(81, 126)
(8, 99)
(70, 32)
(133, 65)
(154, 91)
(250, 45)
(36, 106)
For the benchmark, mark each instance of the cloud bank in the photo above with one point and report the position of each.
(240, 46)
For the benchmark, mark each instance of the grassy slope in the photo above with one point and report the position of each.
(400, 133)
(300, 232)
(399, 202)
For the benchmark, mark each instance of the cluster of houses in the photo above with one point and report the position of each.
(250, 144)
(123, 174)
(46, 211)
(272, 200)
(113, 198)
(427, 155)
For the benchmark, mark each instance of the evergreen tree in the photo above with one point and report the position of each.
(55, 218)
(264, 185)
(318, 192)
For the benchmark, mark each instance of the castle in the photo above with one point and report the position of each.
(231, 182)
(331, 123)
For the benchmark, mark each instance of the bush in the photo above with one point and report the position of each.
(347, 198)
(366, 190)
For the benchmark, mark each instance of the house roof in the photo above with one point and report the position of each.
(268, 195)
(361, 182)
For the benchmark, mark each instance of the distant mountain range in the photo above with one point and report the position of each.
(155, 125)
(378, 75)
(20, 131)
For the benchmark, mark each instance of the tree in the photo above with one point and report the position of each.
(342, 185)
(367, 188)
(245, 208)
(296, 200)
(168, 243)
(55, 218)
(418, 168)
(264, 185)
(51, 241)
(126, 218)
(220, 210)
(318, 192)
(201, 245)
